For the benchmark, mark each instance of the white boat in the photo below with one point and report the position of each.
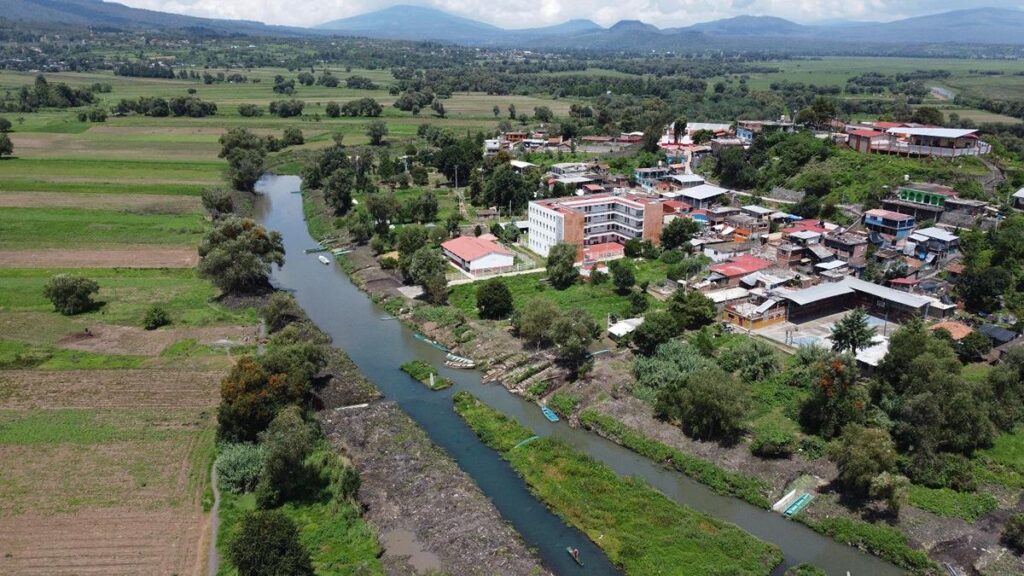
(323, 259)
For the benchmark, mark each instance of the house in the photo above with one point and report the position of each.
(730, 272)
(923, 201)
(603, 252)
(849, 293)
(647, 178)
(593, 219)
(722, 251)
(999, 336)
(478, 255)
(701, 196)
(848, 247)
(863, 139)
(746, 227)
(1018, 199)
(928, 141)
(891, 226)
(719, 144)
(755, 315)
(624, 327)
(934, 241)
(747, 129)
(521, 166)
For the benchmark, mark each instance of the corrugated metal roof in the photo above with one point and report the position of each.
(817, 293)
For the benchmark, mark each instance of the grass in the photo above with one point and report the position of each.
(1003, 463)
(748, 488)
(563, 402)
(30, 427)
(882, 541)
(78, 228)
(20, 355)
(640, 529)
(127, 294)
(598, 301)
(946, 502)
(423, 371)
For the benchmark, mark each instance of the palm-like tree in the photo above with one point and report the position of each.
(678, 129)
(853, 332)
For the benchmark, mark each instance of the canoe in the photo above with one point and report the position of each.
(568, 549)
(323, 259)
(549, 414)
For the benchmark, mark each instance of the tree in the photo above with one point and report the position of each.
(287, 442)
(754, 359)
(496, 110)
(292, 137)
(836, 400)
(237, 253)
(561, 265)
(973, 347)
(280, 311)
(409, 240)
(1013, 533)
(678, 233)
(71, 295)
(678, 129)
(438, 107)
(268, 544)
(573, 333)
(543, 114)
(691, 309)
(708, 404)
(512, 111)
(623, 276)
(533, 321)
(245, 166)
(218, 202)
(861, 455)
(427, 268)
(494, 299)
(928, 115)
(6, 146)
(156, 316)
(250, 398)
(376, 130)
(852, 332)
(338, 191)
(657, 329)
(891, 489)
(5, 125)
(333, 110)
(651, 142)
(638, 303)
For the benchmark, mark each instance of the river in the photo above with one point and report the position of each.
(378, 347)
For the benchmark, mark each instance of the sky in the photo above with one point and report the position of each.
(529, 13)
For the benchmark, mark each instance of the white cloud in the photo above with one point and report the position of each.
(528, 13)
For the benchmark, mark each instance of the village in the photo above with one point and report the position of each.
(770, 273)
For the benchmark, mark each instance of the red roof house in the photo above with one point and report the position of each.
(735, 268)
(478, 255)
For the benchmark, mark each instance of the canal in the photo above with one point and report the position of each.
(378, 347)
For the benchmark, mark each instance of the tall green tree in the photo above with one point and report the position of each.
(236, 255)
(494, 299)
(561, 265)
(376, 130)
(861, 455)
(678, 233)
(268, 544)
(852, 333)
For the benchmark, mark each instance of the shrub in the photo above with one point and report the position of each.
(268, 544)
(156, 316)
(1013, 533)
(280, 311)
(239, 466)
(805, 570)
(754, 359)
(494, 299)
(218, 201)
(71, 295)
(773, 439)
(287, 442)
(563, 402)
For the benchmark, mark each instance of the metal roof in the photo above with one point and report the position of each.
(817, 293)
(937, 234)
(884, 293)
(933, 132)
(703, 192)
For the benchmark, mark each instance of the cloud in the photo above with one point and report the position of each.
(528, 13)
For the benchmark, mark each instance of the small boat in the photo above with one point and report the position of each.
(454, 361)
(423, 338)
(574, 553)
(323, 259)
(549, 413)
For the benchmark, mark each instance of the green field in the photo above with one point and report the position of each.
(78, 228)
(127, 293)
(618, 514)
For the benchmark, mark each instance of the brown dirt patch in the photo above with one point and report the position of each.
(100, 258)
(141, 388)
(133, 340)
(149, 203)
(114, 541)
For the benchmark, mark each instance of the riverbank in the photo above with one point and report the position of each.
(619, 514)
(430, 514)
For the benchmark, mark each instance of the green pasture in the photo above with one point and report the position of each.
(77, 228)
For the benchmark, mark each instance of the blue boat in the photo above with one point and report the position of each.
(549, 413)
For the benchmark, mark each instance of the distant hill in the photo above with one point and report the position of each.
(415, 23)
(750, 26)
(110, 15)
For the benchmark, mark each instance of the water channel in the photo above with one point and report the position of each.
(379, 346)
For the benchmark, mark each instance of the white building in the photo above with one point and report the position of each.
(592, 220)
(478, 255)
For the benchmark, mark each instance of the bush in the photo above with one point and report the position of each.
(754, 359)
(280, 311)
(218, 201)
(1013, 533)
(156, 317)
(287, 442)
(268, 544)
(805, 570)
(773, 438)
(494, 299)
(71, 295)
(239, 466)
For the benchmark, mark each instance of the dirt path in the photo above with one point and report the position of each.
(100, 258)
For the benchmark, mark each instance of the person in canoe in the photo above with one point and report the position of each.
(575, 553)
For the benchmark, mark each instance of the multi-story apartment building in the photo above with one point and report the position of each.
(591, 220)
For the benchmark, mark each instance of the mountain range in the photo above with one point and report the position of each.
(420, 23)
